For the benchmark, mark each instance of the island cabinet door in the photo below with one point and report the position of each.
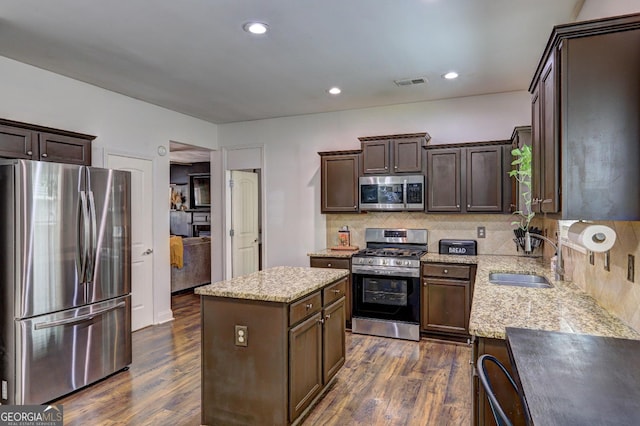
(333, 337)
(305, 364)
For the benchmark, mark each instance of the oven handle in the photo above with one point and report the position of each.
(395, 272)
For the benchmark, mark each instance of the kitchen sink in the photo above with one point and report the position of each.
(519, 280)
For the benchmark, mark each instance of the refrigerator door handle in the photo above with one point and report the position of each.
(77, 320)
(93, 236)
(83, 243)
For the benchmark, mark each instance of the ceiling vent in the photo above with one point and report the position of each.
(410, 81)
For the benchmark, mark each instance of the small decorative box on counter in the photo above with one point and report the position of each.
(459, 247)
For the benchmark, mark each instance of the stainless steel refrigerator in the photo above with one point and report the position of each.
(65, 278)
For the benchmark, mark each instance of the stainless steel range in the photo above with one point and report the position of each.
(386, 283)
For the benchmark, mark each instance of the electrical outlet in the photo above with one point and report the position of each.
(242, 335)
(591, 258)
(630, 267)
(482, 232)
(607, 260)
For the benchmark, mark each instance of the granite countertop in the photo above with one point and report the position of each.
(279, 284)
(332, 253)
(565, 307)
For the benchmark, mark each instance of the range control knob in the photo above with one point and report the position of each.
(384, 261)
(370, 261)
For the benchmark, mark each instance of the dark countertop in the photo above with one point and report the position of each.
(576, 379)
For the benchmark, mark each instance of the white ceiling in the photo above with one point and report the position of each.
(192, 56)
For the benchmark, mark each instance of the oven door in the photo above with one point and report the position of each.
(386, 297)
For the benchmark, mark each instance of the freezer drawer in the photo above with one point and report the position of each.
(62, 352)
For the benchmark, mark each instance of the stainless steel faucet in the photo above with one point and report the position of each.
(559, 270)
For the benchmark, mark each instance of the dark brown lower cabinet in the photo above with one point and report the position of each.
(317, 348)
(305, 364)
(337, 263)
(508, 398)
(447, 290)
(291, 353)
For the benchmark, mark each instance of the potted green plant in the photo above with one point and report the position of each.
(522, 174)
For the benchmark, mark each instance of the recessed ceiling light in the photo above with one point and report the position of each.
(335, 91)
(450, 75)
(255, 27)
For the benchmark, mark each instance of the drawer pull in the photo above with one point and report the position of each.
(308, 306)
(329, 265)
(446, 271)
(336, 291)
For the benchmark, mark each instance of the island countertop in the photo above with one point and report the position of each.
(565, 307)
(278, 284)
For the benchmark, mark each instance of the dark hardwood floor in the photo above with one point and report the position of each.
(384, 381)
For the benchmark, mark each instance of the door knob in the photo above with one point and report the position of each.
(148, 251)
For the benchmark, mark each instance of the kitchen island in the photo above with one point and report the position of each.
(272, 341)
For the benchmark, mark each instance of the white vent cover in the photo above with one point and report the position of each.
(410, 81)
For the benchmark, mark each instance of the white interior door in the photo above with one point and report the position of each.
(141, 236)
(244, 222)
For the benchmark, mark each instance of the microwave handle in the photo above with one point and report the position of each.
(404, 194)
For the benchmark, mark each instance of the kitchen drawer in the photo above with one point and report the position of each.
(446, 270)
(329, 262)
(334, 291)
(305, 307)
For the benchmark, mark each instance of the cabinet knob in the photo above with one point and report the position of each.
(355, 207)
(395, 167)
(29, 152)
(309, 306)
(329, 265)
(458, 206)
(321, 320)
(446, 271)
(328, 316)
(468, 206)
(336, 291)
(44, 155)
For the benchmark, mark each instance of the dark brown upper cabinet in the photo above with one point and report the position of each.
(32, 142)
(339, 172)
(467, 178)
(585, 121)
(393, 153)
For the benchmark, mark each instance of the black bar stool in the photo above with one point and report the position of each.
(498, 413)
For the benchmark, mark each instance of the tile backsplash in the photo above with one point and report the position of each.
(499, 231)
(610, 289)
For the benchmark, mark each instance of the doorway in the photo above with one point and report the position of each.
(189, 216)
(245, 231)
(239, 258)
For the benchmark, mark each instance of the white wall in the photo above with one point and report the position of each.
(294, 225)
(594, 9)
(121, 124)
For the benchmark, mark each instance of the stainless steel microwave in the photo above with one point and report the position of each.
(395, 193)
